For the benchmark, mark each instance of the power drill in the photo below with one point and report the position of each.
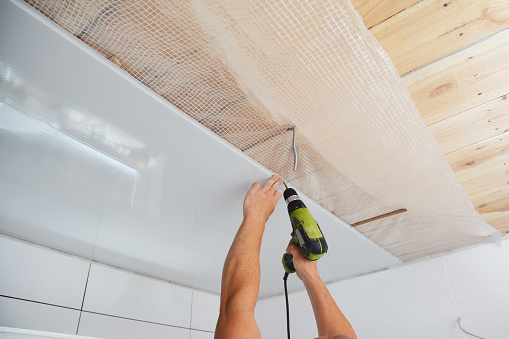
(307, 235)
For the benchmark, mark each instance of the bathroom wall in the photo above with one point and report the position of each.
(46, 290)
(420, 300)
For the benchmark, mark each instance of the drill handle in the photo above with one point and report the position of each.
(288, 263)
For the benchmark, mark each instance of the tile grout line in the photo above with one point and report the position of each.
(83, 300)
(39, 302)
(452, 290)
(191, 315)
(146, 321)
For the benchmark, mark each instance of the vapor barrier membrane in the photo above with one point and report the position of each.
(250, 70)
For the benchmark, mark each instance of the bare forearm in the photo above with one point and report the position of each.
(329, 318)
(241, 271)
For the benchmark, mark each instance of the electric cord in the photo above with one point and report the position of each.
(287, 306)
(461, 326)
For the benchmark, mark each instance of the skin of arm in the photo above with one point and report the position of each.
(329, 318)
(241, 271)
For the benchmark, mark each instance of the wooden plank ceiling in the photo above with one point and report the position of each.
(454, 59)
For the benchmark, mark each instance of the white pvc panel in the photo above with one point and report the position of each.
(33, 273)
(145, 186)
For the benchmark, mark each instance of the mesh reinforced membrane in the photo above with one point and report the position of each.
(249, 70)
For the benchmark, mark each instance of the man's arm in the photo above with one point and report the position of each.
(329, 318)
(241, 272)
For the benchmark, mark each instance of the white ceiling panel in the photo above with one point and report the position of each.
(95, 164)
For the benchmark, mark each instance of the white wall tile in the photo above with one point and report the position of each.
(485, 314)
(205, 311)
(480, 269)
(437, 321)
(30, 315)
(103, 326)
(34, 273)
(115, 292)
(301, 311)
(201, 335)
(270, 315)
(406, 286)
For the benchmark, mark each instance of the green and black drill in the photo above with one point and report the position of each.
(307, 235)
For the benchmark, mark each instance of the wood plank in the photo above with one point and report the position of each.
(432, 29)
(462, 81)
(483, 170)
(498, 220)
(472, 126)
(480, 160)
(376, 11)
(495, 209)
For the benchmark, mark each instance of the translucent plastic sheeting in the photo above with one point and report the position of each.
(250, 70)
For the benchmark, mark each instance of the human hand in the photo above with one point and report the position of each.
(306, 269)
(261, 201)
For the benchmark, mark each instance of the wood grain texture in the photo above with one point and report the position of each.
(472, 126)
(432, 29)
(482, 163)
(462, 81)
(376, 11)
(483, 170)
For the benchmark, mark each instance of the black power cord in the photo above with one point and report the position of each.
(287, 306)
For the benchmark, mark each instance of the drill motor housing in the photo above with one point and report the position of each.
(307, 235)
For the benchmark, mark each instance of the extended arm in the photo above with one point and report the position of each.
(241, 271)
(329, 318)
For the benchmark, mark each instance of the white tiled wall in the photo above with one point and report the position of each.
(42, 289)
(36, 316)
(421, 300)
(204, 320)
(103, 326)
(133, 296)
(34, 273)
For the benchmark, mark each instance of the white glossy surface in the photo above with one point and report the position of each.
(35, 316)
(103, 326)
(34, 273)
(205, 311)
(95, 164)
(115, 292)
